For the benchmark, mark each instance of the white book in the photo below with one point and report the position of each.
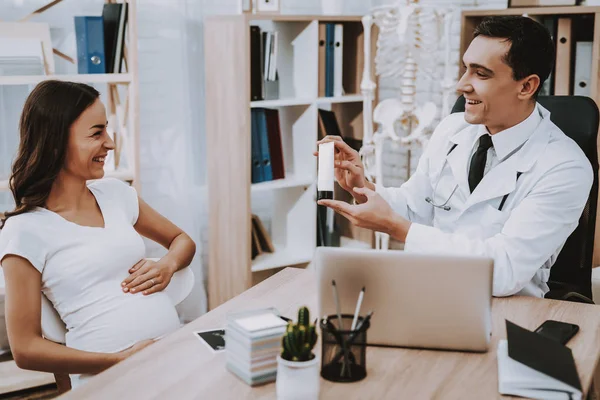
(583, 69)
(267, 55)
(261, 322)
(338, 59)
(517, 379)
(273, 60)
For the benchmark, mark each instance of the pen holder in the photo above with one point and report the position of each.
(343, 351)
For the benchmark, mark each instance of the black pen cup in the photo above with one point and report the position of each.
(343, 351)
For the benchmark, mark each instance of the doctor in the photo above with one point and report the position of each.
(499, 180)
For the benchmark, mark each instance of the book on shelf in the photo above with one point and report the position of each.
(321, 56)
(338, 59)
(331, 56)
(264, 80)
(548, 86)
(267, 152)
(562, 72)
(89, 34)
(328, 124)
(583, 69)
(114, 16)
(261, 240)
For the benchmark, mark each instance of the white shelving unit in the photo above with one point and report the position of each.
(291, 201)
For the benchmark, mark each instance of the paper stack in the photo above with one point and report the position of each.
(20, 56)
(252, 343)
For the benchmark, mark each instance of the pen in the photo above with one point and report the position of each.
(341, 328)
(337, 305)
(357, 310)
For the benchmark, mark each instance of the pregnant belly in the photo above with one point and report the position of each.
(122, 321)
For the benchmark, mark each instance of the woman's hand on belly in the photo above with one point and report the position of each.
(148, 277)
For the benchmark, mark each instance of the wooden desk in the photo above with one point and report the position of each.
(181, 367)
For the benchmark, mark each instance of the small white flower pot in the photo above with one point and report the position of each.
(298, 380)
(331, 7)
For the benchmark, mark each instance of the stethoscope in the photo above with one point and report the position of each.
(444, 206)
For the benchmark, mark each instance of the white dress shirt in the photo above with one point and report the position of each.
(506, 142)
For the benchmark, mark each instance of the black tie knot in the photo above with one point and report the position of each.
(477, 166)
(485, 142)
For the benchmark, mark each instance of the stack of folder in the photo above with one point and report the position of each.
(252, 343)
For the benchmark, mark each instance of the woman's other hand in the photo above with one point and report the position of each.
(122, 355)
(148, 277)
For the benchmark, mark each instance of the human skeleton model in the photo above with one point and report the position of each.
(411, 37)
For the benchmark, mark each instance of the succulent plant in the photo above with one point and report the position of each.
(299, 339)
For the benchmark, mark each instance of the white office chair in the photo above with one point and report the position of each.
(54, 329)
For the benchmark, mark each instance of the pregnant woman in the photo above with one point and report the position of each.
(80, 242)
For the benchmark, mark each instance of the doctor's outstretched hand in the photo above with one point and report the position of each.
(375, 214)
(349, 169)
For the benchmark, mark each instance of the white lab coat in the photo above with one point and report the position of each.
(541, 211)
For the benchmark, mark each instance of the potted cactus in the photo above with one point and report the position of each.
(297, 365)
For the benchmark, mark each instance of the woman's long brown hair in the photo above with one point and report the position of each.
(48, 113)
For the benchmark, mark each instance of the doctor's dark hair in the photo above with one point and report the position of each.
(49, 111)
(531, 50)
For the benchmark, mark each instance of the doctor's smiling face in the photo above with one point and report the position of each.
(505, 66)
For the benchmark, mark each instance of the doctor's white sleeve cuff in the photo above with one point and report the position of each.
(394, 198)
(419, 238)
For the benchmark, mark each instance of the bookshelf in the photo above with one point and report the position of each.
(121, 91)
(232, 195)
(586, 27)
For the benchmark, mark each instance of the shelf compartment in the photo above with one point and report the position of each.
(351, 98)
(290, 181)
(82, 78)
(282, 257)
(296, 58)
(282, 102)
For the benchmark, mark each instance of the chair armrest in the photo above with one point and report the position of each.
(181, 285)
(63, 383)
(561, 291)
(53, 328)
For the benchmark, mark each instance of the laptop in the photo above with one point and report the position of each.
(418, 300)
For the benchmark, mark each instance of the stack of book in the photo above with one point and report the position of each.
(252, 343)
(267, 150)
(331, 59)
(21, 57)
(263, 64)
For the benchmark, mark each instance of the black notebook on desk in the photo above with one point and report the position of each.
(531, 365)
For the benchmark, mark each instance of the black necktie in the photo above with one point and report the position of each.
(478, 161)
